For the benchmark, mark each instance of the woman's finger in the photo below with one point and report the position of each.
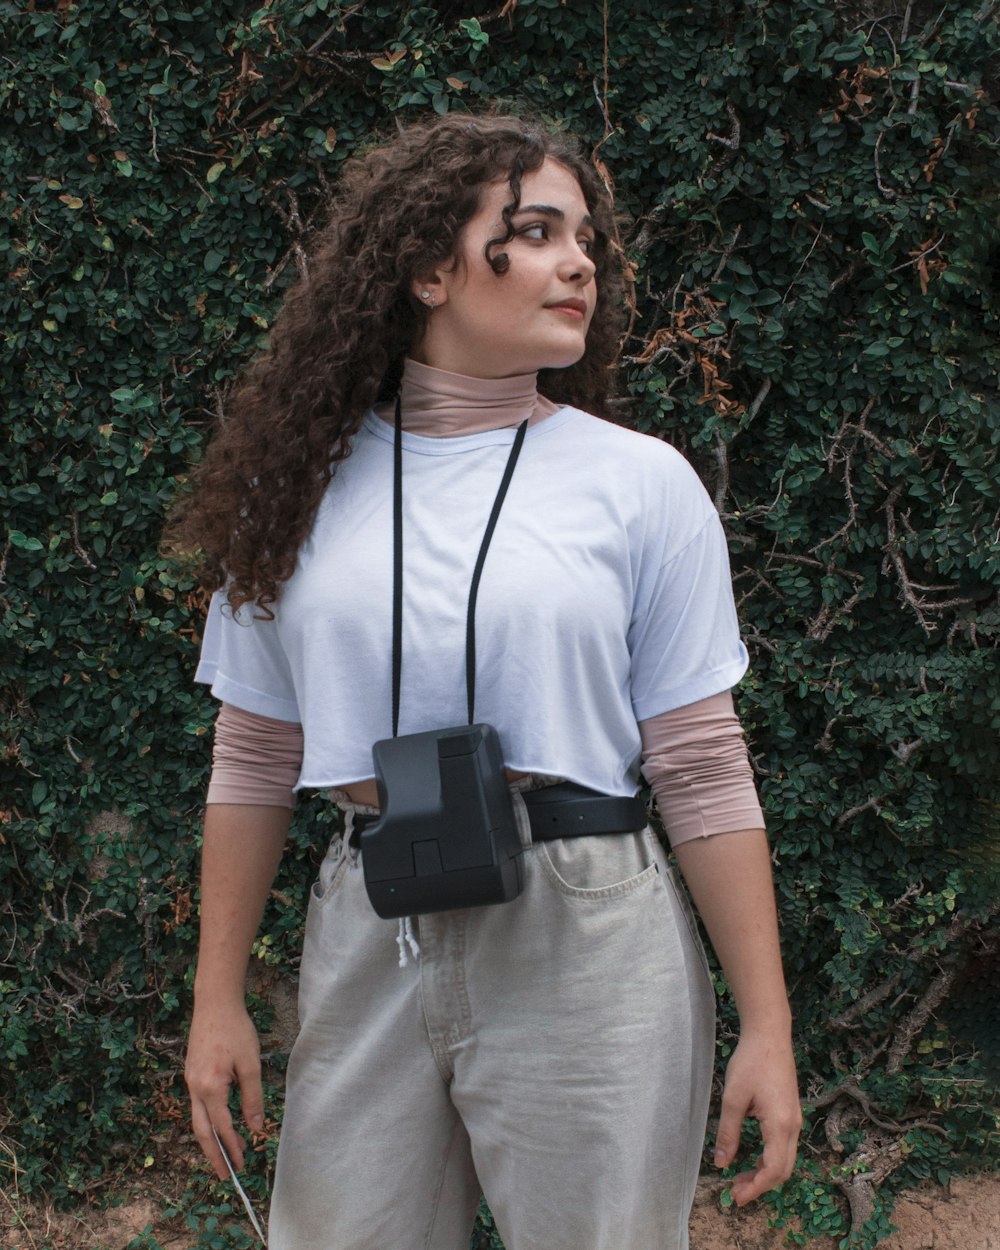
(727, 1137)
(205, 1117)
(251, 1094)
(775, 1165)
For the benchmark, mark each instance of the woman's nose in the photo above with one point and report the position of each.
(579, 265)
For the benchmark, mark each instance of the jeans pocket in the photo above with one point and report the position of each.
(600, 866)
(683, 904)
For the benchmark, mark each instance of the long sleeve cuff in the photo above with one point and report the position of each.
(695, 758)
(255, 759)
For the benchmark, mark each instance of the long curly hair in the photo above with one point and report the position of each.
(339, 339)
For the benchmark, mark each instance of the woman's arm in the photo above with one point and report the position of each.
(729, 875)
(241, 849)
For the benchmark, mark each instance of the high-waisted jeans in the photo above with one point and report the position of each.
(554, 1052)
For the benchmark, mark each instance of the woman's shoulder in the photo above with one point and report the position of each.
(644, 451)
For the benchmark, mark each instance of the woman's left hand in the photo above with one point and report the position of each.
(760, 1082)
(730, 877)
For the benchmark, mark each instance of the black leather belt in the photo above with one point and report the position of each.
(566, 810)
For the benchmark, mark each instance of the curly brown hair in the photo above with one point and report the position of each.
(338, 342)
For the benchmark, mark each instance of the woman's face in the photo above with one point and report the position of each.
(534, 316)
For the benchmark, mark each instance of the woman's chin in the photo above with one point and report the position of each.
(562, 360)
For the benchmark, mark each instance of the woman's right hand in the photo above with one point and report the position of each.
(223, 1047)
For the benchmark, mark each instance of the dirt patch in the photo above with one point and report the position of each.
(963, 1216)
(86, 1229)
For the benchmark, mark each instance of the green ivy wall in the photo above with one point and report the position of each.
(809, 201)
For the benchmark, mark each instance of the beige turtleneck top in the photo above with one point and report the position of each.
(694, 757)
(441, 404)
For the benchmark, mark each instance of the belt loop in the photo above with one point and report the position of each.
(521, 815)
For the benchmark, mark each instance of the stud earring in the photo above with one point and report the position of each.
(425, 294)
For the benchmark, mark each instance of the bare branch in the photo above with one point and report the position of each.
(903, 750)
(758, 399)
(878, 1162)
(727, 251)
(152, 129)
(721, 453)
(915, 1022)
(74, 523)
(870, 805)
(844, 276)
(877, 994)
(647, 235)
(886, 191)
(905, 29)
(829, 615)
(731, 142)
(921, 606)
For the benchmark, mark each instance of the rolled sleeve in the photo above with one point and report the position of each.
(684, 639)
(243, 662)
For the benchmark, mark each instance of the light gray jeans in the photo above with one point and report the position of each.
(554, 1052)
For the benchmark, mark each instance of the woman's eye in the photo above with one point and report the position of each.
(538, 230)
(586, 245)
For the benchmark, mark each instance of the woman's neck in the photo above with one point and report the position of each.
(441, 404)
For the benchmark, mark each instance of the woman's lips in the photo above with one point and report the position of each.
(567, 310)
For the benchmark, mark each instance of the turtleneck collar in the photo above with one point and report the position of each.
(441, 404)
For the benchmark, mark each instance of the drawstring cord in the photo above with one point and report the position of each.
(407, 938)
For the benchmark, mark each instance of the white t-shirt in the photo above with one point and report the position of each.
(605, 600)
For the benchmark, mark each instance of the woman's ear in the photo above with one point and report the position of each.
(430, 290)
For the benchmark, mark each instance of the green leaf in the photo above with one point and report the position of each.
(474, 30)
(738, 304)
(17, 539)
(215, 171)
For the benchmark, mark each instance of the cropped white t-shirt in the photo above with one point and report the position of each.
(605, 600)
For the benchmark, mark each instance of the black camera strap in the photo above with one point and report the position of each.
(397, 568)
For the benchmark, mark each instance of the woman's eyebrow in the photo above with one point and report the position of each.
(550, 210)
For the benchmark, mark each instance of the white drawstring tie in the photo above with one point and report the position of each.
(406, 938)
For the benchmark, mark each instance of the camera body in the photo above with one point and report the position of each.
(447, 835)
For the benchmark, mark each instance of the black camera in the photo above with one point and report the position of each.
(447, 835)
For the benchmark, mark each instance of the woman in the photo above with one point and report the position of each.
(554, 1050)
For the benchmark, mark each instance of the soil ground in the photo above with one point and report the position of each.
(963, 1216)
